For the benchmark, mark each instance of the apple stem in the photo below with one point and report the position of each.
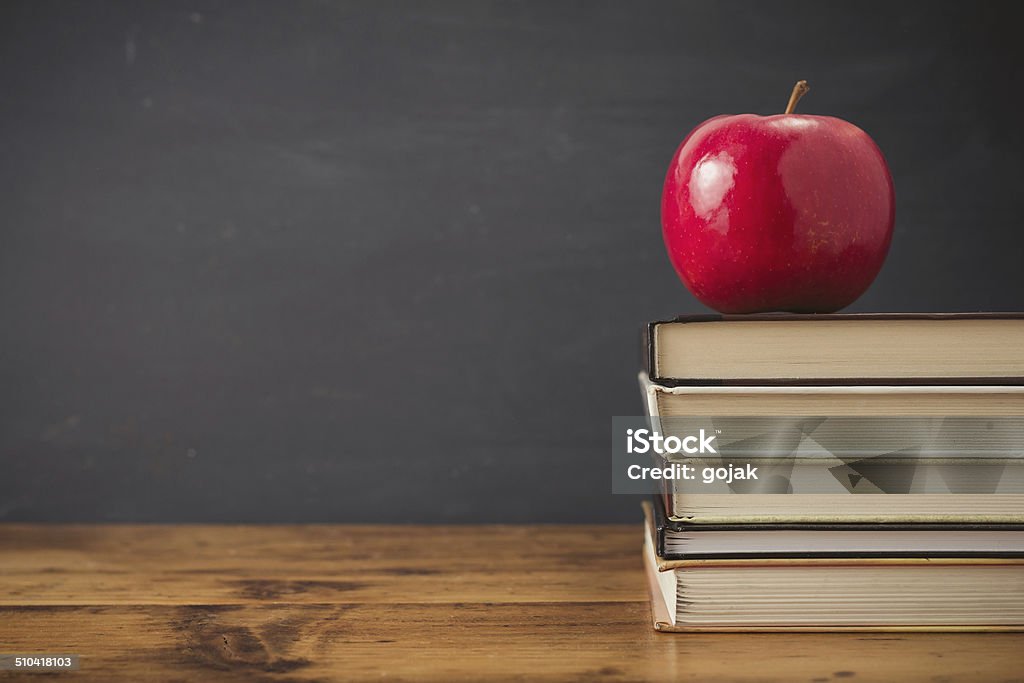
(799, 90)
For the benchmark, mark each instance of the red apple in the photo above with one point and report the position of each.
(777, 213)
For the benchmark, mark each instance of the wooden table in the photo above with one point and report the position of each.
(317, 603)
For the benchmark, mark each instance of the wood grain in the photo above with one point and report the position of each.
(317, 603)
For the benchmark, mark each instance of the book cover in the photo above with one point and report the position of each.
(888, 349)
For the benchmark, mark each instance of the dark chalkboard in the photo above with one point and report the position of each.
(255, 255)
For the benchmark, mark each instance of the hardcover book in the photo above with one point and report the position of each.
(682, 540)
(875, 349)
(835, 475)
(830, 594)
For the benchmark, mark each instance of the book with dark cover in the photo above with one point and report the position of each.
(836, 349)
(836, 540)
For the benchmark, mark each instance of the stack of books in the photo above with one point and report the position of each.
(888, 453)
